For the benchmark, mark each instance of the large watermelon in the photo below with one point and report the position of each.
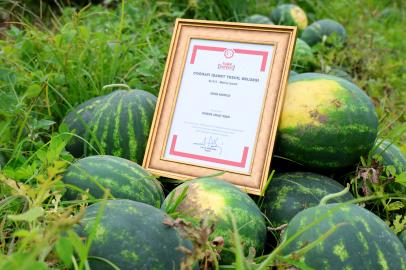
(364, 242)
(327, 123)
(301, 57)
(256, 18)
(121, 123)
(292, 73)
(121, 176)
(289, 15)
(76, 145)
(391, 156)
(316, 32)
(131, 236)
(221, 197)
(402, 238)
(289, 193)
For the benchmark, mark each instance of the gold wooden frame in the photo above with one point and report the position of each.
(283, 39)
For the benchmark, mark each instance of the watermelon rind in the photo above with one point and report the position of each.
(290, 15)
(391, 155)
(289, 193)
(124, 178)
(121, 124)
(316, 32)
(327, 123)
(259, 19)
(363, 241)
(292, 73)
(131, 236)
(340, 73)
(76, 145)
(220, 197)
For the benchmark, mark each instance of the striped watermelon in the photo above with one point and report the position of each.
(301, 57)
(327, 123)
(76, 145)
(256, 18)
(131, 236)
(289, 15)
(121, 176)
(402, 238)
(221, 197)
(363, 242)
(289, 193)
(121, 123)
(340, 73)
(391, 156)
(316, 32)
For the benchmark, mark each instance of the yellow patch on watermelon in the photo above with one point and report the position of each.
(200, 199)
(299, 16)
(306, 103)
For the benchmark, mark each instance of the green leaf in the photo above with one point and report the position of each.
(395, 206)
(63, 128)
(33, 91)
(391, 168)
(85, 32)
(42, 155)
(6, 135)
(401, 177)
(68, 35)
(65, 250)
(58, 40)
(44, 124)
(30, 215)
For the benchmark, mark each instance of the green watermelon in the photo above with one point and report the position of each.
(395, 157)
(402, 238)
(391, 156)
(327, 123)
(364, 242)
(301, 57)
(316, 31)
(340, 73)
(121, 123)
(391, 14)
(289, 193)
(289, 15)
(131, 236)
(221, 197)
(121, 176)
(292, 73)
(76, 145)
(256, 18)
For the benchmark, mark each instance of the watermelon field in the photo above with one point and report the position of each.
(78, 91)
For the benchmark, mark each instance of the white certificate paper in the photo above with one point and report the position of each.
(219, 103)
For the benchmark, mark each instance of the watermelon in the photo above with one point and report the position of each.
(364, 241)
(131, 236)
(316, 31)
(292, 73)
(391, 156)
(301, 57)
(402, 238)
(256, 18)
(121, 176)
(395, 157)
(289, 193)
(327, 123)
(221, 197)
(340, 73)
(76, 145)
(121, 123)
(289, 15)
(391, 14)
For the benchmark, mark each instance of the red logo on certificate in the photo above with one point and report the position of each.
(229, 53)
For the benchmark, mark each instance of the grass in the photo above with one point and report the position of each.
(54, 60)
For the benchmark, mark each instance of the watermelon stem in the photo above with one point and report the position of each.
(117, 85)
(334, 195)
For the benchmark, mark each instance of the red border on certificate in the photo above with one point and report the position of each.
(219, 49)
(209, 159)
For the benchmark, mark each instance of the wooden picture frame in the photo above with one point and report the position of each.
(220, 102)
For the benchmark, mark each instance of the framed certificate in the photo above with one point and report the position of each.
(220, 102)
